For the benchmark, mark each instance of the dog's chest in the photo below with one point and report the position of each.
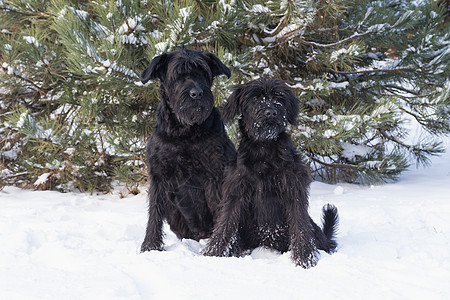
(269, 214)
(266, 168)
(184, 158)
(270, 220)
(270, 178)
(268, 208)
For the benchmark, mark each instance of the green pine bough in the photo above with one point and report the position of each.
(74, 115)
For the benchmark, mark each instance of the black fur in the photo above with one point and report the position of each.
(188, 149)
(265, 192)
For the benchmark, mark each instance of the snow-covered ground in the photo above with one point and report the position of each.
(394, 243)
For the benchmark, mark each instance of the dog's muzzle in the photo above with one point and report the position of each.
(194, 111)
(268, 128)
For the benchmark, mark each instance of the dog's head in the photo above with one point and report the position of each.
(266, 106)
(186, 77)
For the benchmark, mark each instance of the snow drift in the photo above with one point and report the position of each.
(394, 243)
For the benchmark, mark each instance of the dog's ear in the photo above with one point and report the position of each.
(232, 107)
(292, 106)
(217, 67)
(156, 69)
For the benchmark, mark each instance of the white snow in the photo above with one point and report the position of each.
(162, 47)
(11, 154)
(350, 151)
(258, 8)
(185, 12)
(352, 50)
(394, 243)
(338, 85)
(42, 179)
(31, 40)
(83, 15)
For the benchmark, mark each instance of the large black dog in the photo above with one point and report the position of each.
(265, 192)
(188, 149)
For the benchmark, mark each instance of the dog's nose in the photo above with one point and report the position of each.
(196, 93)
(270, 112)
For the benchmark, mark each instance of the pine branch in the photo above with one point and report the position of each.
(334, 165)
(16, 74)
(373, 71)
(352, 37)
(28, 14)
(414, 149)
(390, 88)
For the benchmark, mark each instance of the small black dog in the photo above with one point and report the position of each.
(188, 149)
(265, 192)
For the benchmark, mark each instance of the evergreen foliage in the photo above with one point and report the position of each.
(74, 115)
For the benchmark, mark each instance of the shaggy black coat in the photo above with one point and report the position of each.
(265, 191)
(188, 149)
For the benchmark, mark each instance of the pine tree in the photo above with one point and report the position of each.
(78, 117)
(74, 114)
(359, 68)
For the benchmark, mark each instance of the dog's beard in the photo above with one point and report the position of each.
(190, 112)
(268, 129)
(194, 114)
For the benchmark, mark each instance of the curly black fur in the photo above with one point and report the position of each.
(188, 149)
(265, 191)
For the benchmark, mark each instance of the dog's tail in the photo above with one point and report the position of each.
(330, 221)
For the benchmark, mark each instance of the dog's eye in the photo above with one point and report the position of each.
(277, 104)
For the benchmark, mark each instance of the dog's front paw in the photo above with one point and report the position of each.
(223, 247)
(146, 246)
(214, 250)
(305, 259)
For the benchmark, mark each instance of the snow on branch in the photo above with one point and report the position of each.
(370, 30)
(5, 67)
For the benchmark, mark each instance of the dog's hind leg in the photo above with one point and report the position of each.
(154, 234)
